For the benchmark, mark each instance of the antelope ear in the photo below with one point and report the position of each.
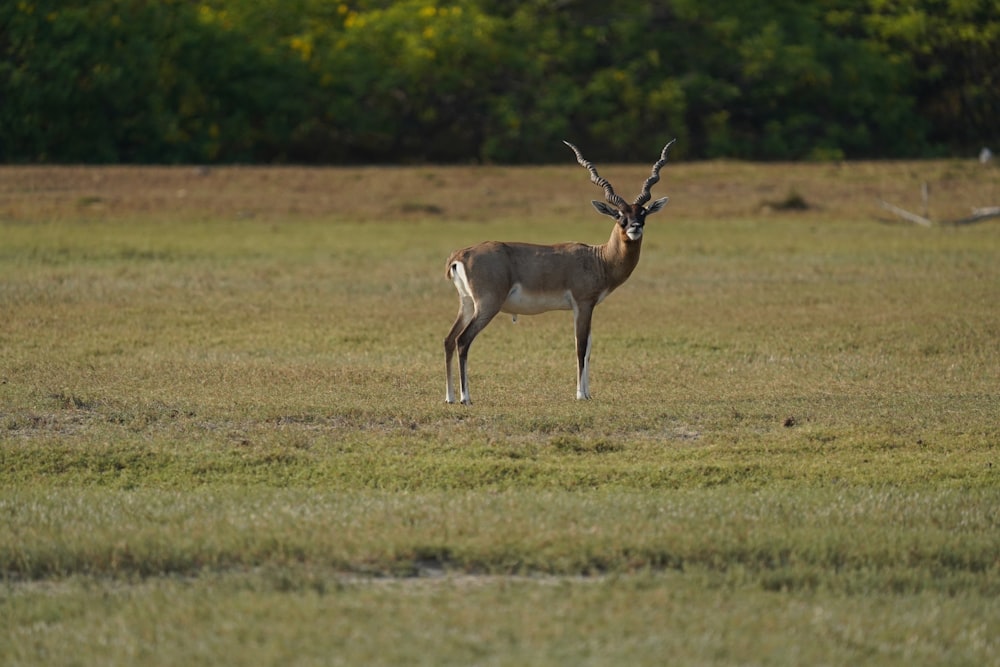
(605, 209)
(657, 205)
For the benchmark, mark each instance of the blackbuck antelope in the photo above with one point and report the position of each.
(527, 279)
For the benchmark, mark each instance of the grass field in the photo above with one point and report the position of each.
(223, 438)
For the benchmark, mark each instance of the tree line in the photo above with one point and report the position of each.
(372, 81)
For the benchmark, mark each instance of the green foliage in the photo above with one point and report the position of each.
(407, 80)
(421, 80)
(138, 81)
(951, 49)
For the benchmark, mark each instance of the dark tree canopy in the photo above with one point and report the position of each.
(314, 81)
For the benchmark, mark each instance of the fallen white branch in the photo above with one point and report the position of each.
(979, 214)
(906, 215)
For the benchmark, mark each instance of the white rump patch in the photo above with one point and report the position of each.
(461, 280)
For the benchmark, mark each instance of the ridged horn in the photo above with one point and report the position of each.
(654, 177)
(596, 179)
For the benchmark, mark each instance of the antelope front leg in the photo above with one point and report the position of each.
(582, 315)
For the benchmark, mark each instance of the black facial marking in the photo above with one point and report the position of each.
(625, 221)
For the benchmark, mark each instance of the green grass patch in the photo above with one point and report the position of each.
(848, 539)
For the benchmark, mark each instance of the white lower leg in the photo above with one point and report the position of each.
(449, 394)
(583, 381)
(464, 381)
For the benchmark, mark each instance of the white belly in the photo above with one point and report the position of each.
(524, 302)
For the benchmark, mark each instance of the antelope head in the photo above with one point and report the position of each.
(631, 218)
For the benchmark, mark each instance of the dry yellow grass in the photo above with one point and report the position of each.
(708, 190)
